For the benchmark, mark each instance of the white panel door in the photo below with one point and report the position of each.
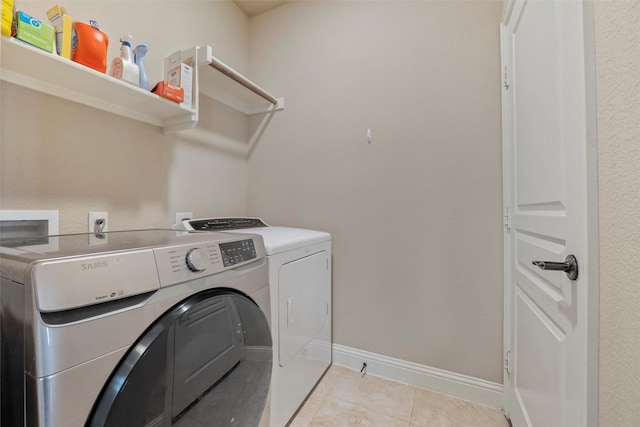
(549, 318)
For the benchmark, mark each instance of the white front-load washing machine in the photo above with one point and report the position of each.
(135, 328)
(300, 281)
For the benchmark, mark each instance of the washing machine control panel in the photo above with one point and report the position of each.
(180, 263)
(237, 252)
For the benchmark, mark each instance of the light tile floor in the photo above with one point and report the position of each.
(344, 397)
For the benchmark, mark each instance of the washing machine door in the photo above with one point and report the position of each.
(206, 362)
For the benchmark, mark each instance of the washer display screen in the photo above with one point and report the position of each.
(237, 252)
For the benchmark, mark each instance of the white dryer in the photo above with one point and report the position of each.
(299, 263)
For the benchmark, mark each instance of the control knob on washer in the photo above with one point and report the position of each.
(197, 260)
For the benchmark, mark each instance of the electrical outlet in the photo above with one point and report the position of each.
(183, 215)
(98, 216)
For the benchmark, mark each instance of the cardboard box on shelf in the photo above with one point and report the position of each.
(186, 82)
(34, 31)
(169, 91)
(172, 68)
(67, 36)
(178, 71)
(62, 23)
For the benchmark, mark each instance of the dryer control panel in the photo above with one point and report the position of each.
(221, 224)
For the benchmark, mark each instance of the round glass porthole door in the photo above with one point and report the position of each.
(206, 362)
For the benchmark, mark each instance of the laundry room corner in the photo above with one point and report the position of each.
(391, 142)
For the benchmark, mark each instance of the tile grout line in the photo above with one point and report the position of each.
(413, 405)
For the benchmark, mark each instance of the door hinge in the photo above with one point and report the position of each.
(505, 80)
(507, 362)
(507, 218)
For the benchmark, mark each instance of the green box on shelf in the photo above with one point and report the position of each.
(34, 31)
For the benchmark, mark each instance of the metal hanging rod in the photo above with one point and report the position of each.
(234, 75)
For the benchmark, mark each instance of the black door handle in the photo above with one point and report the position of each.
(569, 266)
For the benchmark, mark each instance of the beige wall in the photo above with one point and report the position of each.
(416, 214)
(61, 155)
(617, 25)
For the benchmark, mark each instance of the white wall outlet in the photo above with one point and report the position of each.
(183, 215)
(103, 222)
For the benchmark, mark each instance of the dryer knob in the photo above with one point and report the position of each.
(197, 260)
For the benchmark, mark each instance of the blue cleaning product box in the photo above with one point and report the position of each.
(34, 31)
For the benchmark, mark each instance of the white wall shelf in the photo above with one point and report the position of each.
(33, 68)
(224, 84)
(30, 67)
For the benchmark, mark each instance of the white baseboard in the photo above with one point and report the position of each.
(450, 383)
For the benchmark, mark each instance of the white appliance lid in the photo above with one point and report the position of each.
(283, 239)
(276, 239)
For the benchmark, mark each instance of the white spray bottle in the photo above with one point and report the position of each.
(124, 67)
